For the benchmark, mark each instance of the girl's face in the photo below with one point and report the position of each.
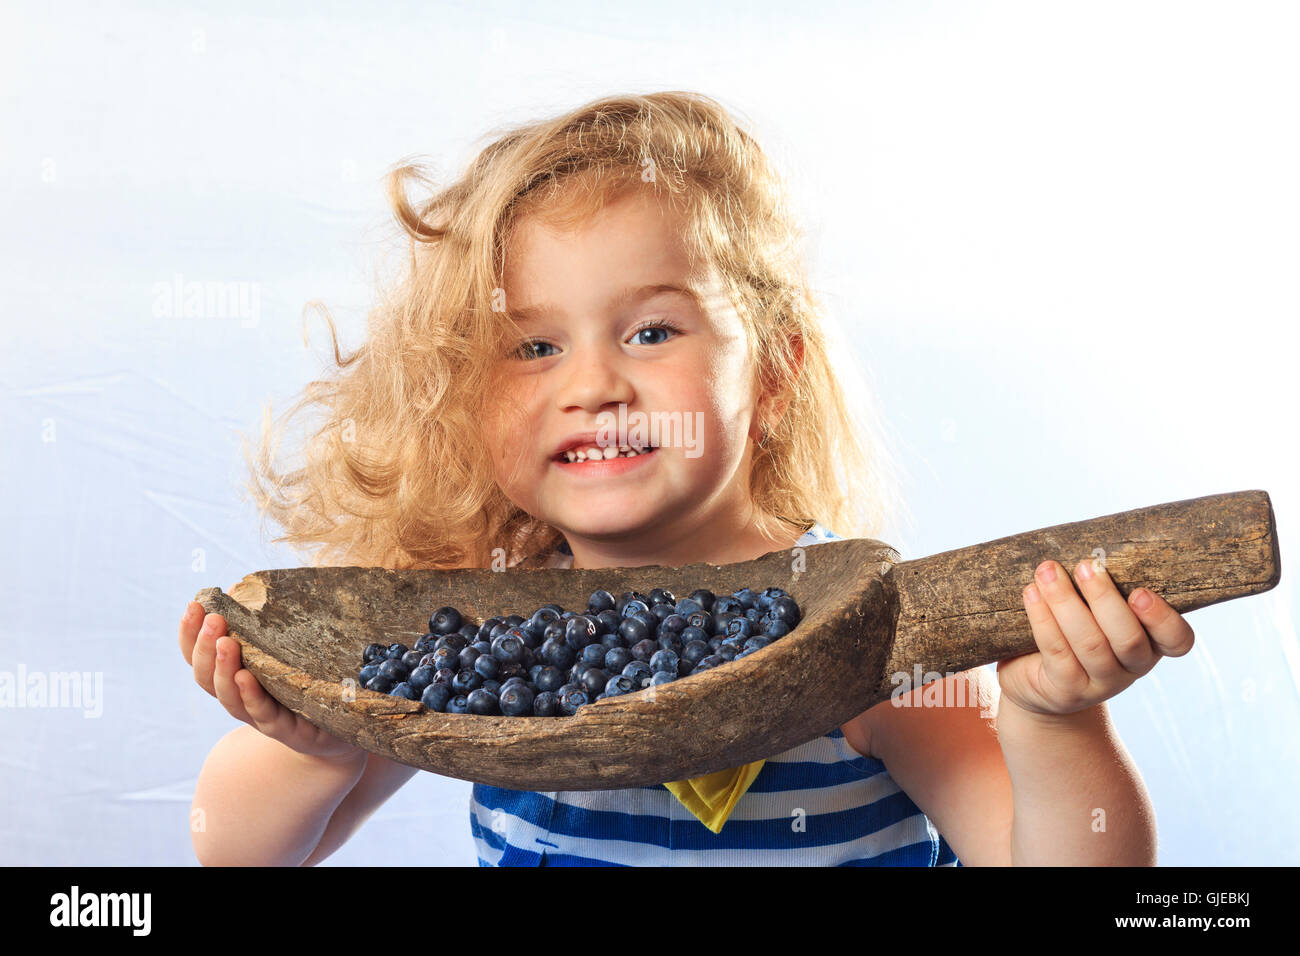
(600, 336)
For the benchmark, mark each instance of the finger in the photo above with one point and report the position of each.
(1168, 630)
(191, 621)
(205, 660)
(266, 713)
(1128, 638)
(1090, 645)
(205, 651)
(223, 678)
(1059, 666)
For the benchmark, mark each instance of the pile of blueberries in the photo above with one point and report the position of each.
(555, 661)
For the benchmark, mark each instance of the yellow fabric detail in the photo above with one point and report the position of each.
(712, 797)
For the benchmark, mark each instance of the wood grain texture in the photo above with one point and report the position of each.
(866, 616)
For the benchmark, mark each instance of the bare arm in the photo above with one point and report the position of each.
(1079, 798)
(1025, 795)
(381, 779)
(260, 803)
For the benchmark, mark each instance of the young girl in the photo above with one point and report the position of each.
(634, 260)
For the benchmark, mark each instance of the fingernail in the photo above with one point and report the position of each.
(1142, 599)
(1031, 594)
(1084, 570)
(1047, 571)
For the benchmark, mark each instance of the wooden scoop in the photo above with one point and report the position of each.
(867, 616)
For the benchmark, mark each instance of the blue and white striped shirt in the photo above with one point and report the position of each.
(818, 804)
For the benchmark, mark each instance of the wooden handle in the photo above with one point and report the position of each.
(962, 609)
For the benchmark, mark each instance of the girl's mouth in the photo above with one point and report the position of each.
(606, 466)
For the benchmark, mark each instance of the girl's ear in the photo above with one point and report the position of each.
(776, 387)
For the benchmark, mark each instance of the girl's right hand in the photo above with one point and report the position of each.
(217, 669)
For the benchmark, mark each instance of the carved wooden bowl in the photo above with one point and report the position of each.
(866, 617)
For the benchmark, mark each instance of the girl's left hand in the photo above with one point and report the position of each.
(1088, 653)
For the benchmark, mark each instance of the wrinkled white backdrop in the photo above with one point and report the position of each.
(1059, 237)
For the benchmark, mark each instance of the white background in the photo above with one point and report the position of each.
(1060, 237)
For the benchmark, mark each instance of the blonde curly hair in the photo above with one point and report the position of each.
(396, 475)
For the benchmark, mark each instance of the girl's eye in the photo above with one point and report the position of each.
(655, 325)
(527, 350)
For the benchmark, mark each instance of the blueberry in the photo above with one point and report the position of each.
(435, 697)
(549, 678)
(727, 605)
(694, 652)
(394, 670)
(673, 622)
(661, 596)
(600, 601)
(466, 633)
(516, 700)
(546, 704)
(701, 619)
(662, 677)
(395, 651)
(632, 630)
(740, 627)
(594, 654)
(687, 607)
(421, 678)
(769, 595)
(757, 642)
(608, 622)
(786, 611)
(493, 686)
(661, 612)
(713, 660)
(639, 671)
(777, 629)
(635, 607)
(445, 620)
(568, 688)
(715, 643)
(380, 684)
(455, 641)
(644, 650)
(620, 684)
(426, 643)
(579, 632)
(367, 672)
(444, 675)
(745, 596)
(611, 641)
(693, 634)
(630, 596)
(703, 598)
(466, 657)
(466, 680)
(373, 653)
(509, 647)
(727, 652)
(671, 642)
(616, 658)
(404, 690)
(458, 705)
(487, 666)
(664, 661)
(507, 671)
(570, 702)
(545, 615)
(412, 659)
(483, 702)
(593, 680)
